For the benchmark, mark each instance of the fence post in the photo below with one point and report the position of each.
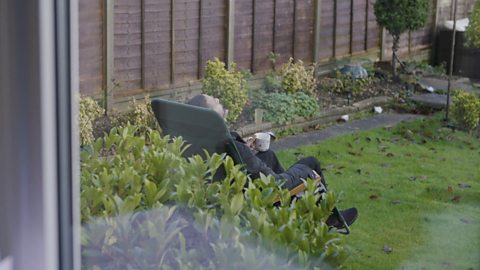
(317, 26)
(172, 42)
(383, 37)
(434, 32)
(200, 40)
(108, 46)
(230, 32)
(252, 58)
(142, 45)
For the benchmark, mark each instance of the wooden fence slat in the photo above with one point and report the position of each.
(230, 32)
(317, 28)
(109, 56)
(172, 42)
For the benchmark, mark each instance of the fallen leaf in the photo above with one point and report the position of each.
(423, 177)
(466, 221)
(450, 189)
(456, 198)
(463, 185)
(387, 249)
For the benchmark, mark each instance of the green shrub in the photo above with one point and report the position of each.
(89, 111)
(466, 110)
(272, 83)
(124, 173)
(296, 77)
(94, 123)
(282, 108)
(141, 114)
(230, 86)
(345, 84)
(472, 33)
(399, 16)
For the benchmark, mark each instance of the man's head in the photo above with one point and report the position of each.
(208, 102)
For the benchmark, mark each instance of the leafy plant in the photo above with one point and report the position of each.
(125, 174)
(230, 86)
(472, 33)
(272, 83)
(282, 108)
(399, 16)
(345, 84)
(466, 110)
(141, 114)
(89, 111)
(296, 77)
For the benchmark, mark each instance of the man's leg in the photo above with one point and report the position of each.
(313, 164)
(270, 158)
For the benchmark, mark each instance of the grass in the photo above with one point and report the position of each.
(417, 188)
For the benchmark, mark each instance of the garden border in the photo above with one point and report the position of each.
(322, 118)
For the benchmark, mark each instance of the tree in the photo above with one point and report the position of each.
(472, 33)
(399, 16)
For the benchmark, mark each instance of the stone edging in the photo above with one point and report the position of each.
(324, 117)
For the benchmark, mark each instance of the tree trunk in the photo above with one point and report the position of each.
(396, 39)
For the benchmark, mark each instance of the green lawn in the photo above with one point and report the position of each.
(417, 188)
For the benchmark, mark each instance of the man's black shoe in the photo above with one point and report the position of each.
(350, 215)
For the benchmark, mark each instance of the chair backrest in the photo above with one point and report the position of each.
(202, 128)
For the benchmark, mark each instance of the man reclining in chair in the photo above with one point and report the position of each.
(267, 163)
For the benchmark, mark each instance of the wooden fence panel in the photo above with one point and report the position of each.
(284, 15)
(91, 47)
(243, 34)
(147, 59)
(127, 46)
(327, 30)
(264, 23)
(186, 40)
(213, 31)
(359, 26)
(373, 30)
(342, 44)
(304, 24)
(157, 46)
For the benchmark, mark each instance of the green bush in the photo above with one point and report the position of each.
(272, 83)
(230, 86)
(296, 77)
(282, 108)
(399, 16)
(123, 174)
(93, 123)
(89, 111)
(472, 33)
(345, 84)
(466, 110)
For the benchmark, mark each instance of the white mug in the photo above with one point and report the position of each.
(262, 141)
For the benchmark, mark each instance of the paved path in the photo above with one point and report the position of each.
(442, 84)
(381, 120)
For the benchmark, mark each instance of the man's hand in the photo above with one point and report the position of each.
(250, 141)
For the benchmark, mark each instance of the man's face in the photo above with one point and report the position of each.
(214, 104)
